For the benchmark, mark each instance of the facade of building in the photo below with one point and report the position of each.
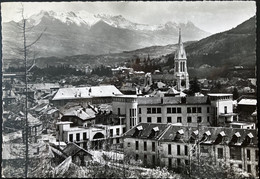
(89, 137)
(177, 146)
(125, 106)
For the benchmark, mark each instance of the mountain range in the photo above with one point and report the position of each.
(76, 33)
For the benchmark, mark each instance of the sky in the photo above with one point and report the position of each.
(213, 17)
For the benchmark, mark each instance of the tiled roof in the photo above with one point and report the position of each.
(86, 92)
(85, 114)
(212, 133)
(146, 131)
(247, 102)
(71, 149)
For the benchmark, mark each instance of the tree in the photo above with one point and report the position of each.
(194, 86)
(25, 50)
(235, 93)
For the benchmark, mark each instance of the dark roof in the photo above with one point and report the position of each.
(171, 133)
(165, 77)
(71, 149)
(146, 131)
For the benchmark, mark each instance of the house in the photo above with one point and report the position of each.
(79, 156)
(177, 146)
(85, 95)
(79, 116)
(245, 107)
(97, 136)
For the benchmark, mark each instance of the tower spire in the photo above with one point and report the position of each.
(180, 41)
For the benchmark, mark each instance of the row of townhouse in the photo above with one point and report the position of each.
(177, 146)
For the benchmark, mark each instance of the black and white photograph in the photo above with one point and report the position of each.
(129, 89)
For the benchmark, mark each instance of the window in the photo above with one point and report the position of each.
(189, 119)
(136, 145)
(208, 110)
(179, 119)
(159, 110)
(256, 155)
(118, 111)
(188, 110)
(78, 137)
(117, 131)
(169, 110)
(169, 119)
(248, 168)
(186, 162)
(117, 141)
(124, 129)
(71, 137)
(84, 136)
(149, 119)
(136, 157)
(154, 110)
(194, 110)
(140, 111)
(149, 111)
(170, 162)
(207, 118)
(186, 150)
(235, 153)
(153, 146)
(240, 166)
(145, 159)
(199, 109)
(199, 120)
(178, 110)
(128, 144)
(153, 159)
(204, 149)
(173, 110)
(256, 170)
(178, 162)
(159, 119)
(220, 153)
(178, 150)
(169, 149)
(248, 155)
(111, 132)
(225, 109)
(140, 119)
(145, 146)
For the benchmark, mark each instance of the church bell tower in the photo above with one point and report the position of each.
(180, 69)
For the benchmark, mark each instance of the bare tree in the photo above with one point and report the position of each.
(25, 49)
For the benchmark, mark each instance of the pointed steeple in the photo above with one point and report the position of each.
(180, 41)
(180, 53)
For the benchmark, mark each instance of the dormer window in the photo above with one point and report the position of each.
(154, 132)
(235, 138)
(138, 131)
(179, 135)
(248, 139)
(220, 137)
(194, 135)
(206, 136)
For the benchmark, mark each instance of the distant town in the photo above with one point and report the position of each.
(133, 120)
